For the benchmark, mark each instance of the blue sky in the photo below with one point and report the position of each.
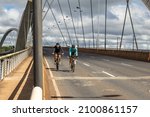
(9, 6)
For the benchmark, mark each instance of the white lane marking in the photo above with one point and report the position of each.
(53, 81)
(51, 74)
(96, 72)
(106, 60)
(109, 90)
(86, 64)
(88, 84)
(101, 78)
(108, 74)
(126, 64)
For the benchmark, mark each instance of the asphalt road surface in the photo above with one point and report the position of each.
(99, 77)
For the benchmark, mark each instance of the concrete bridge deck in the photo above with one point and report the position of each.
(13, 86)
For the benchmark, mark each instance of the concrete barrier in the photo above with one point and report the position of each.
(134, 55)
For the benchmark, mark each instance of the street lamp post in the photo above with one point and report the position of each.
(37, 43)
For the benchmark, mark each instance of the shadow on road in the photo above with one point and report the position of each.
(27, 89)
(54, 69)
(64, 70)
(97, 97)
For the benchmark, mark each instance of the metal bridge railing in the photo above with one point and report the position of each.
(9, 62)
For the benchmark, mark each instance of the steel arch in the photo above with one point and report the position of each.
(6, 34)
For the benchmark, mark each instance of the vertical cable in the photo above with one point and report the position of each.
(73, 22)
(105, 23)
(82, 23)
(98, 30)
(57, 23)
(47, 9)
(134, 36)
(44, 5)
(64, 21)
(123, 27)
(92, 22)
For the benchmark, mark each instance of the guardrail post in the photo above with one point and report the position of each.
(37, 42)
(1, 69)
(9, 62)
(8, 67)
(5, 67)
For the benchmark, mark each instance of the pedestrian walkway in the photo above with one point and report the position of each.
(19, 83)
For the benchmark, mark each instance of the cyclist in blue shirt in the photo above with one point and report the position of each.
(73, 52)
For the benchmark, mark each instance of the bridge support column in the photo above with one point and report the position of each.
(37, 43)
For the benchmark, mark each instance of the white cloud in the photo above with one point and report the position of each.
(11, 12)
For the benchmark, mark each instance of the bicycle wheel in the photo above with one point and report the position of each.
(57, 64)
(72, 67)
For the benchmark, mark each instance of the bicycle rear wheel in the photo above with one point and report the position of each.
(73, 67)
(57, 65)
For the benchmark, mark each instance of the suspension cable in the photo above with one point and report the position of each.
(92, 22)
(123, 27)
(73, 22)
(105, 23)
(82, 22)
(56, 22)
(134, 36)
(98, 30)
(47, 9)
(44, 5)
(64, 21)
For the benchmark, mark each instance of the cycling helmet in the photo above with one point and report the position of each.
(57, 44)
(73, 46)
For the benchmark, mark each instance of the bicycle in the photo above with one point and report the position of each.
(57, 60)
(73, 63)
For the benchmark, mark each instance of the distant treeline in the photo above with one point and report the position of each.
(6, 48)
